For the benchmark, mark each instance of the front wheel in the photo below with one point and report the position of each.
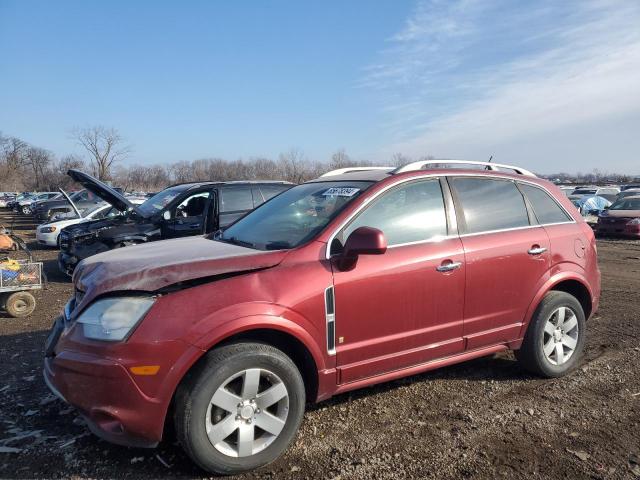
(240, 408)
(26, 210)
(555, 338)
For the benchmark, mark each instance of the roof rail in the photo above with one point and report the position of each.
(340, 171)
(488, 165)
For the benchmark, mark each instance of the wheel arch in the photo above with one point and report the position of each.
(578, 290)
(290, 344)
(569, 282)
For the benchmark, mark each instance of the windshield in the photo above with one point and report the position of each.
(629, 204)
(293, 217)
(91, 210)
(160, 200)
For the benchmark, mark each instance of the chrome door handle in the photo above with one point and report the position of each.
(537, 251)
(447, 267)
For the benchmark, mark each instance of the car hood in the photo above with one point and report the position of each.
(153, 266)
(622, 214)
(103, 191)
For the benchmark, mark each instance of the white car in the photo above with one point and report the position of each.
(47, 233)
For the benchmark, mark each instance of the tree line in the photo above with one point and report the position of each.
(25, 167)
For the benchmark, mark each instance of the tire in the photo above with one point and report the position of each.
(196, 406)
(540, 351)
(20, 304)
(26, 210)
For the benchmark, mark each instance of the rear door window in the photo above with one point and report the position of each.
(489, 204)
(236, 199)
(545, 208)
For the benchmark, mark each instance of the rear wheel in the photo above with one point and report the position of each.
(240, 409)
(20, 304)
(555, 338)
(26, 210)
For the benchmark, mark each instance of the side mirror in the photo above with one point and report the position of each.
(166, 215)
(362, 241)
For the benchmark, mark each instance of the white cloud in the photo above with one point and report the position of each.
(469, 79)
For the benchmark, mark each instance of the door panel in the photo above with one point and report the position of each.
(188, 217)
(396, 310)
(502, 279)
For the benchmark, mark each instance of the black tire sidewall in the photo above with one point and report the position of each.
(218, 368)
(550, 303)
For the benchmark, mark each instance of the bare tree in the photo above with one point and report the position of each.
(105, 147)
(39, 160)
(400, 159)
(340, 159)
(292, 165)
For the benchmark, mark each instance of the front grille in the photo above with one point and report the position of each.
(64, 240)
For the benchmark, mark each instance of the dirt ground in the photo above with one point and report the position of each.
(482, 419)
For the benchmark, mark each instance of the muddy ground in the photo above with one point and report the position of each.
(482, 419)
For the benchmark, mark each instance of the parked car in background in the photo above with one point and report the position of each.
(26, 205)
(630, 186)
(178, 211)
(581, 192)
(610, 193)
(566, 189)
(5, 199)
(12, 204)
(631, 192)
(83, 199)
(361, 276)
(621, 219)
(48, 233)
(590, 206)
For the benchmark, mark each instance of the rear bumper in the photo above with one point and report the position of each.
(629, 231)
(107, 397)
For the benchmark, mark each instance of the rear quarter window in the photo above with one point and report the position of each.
(545, 208)
(489, 204)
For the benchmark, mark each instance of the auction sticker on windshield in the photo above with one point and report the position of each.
(341, 192)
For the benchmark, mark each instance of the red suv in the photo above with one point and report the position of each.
(362, 276)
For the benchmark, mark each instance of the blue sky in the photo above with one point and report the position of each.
(548, 84)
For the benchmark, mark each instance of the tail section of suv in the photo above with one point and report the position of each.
(178, 211)
(361, 276)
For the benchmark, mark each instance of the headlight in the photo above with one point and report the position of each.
(634, 221)
(48, 229)
(112, 319)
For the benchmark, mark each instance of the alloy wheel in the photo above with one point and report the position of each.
(247, 412)
(560, 335)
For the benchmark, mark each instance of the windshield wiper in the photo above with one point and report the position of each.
(237, 241)
(278, 245)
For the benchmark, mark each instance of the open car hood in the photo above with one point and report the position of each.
(153, 266)
(73, 205)
(103, 191)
